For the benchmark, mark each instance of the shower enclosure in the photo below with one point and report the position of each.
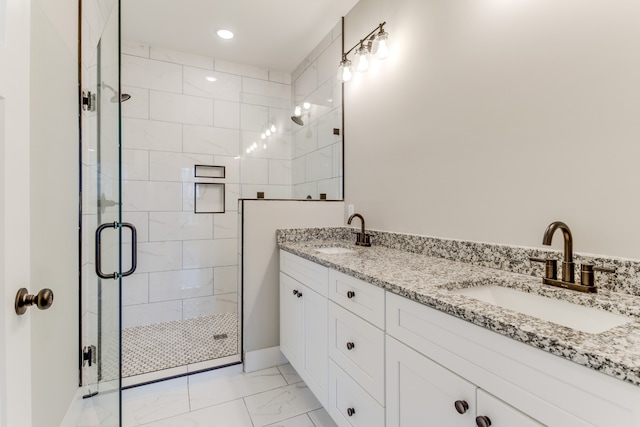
(171, 141)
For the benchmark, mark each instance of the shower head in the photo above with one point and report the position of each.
(297, 120)
(114, 98)
(123, 97)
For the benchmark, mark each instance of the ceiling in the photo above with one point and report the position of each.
(274, 34)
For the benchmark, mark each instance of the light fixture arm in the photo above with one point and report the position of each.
(379, 28)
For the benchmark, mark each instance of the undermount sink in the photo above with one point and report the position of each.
(335, 250)
(579, 317)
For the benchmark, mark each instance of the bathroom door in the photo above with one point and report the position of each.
(102, 263)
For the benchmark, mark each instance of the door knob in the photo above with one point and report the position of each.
(42, 300)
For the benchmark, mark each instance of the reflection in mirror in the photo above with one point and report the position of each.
(316, 135)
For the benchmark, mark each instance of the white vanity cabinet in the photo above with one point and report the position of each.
(356, 350)
(420, 392)
(303, 321)
(374, 358)
(516, 383)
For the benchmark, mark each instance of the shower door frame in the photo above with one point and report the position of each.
(102, 164)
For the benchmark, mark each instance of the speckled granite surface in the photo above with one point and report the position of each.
(626, 278)
(430, 280)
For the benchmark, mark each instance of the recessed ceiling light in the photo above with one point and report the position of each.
(224, 34)
(211, 78)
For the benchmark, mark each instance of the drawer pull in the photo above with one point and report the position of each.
(350, 346)
(351, 294)
(461, 406)
(351, 411)
(483, 421)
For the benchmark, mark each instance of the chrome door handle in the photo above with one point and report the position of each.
(43, 300)
(134, 250)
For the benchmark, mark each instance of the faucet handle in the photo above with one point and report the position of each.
(550, 267)
(587, 277)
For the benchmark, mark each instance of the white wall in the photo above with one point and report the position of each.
(54, 206)
(15, 337)
(261, 260)
(493, 118)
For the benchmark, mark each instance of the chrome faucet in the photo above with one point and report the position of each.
(568, 275)
(363, 238)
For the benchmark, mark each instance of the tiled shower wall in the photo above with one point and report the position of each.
(177, 118)
(317, 151)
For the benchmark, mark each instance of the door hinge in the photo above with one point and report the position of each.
(88, 355)
(88, 101)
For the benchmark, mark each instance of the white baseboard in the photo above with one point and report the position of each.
(263, 359)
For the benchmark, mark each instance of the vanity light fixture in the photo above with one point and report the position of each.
(372, 46)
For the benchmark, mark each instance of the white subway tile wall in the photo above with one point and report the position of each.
(188, 110)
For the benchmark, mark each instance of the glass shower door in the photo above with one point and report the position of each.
(101, 217)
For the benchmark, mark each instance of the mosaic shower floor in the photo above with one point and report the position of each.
(167, 345)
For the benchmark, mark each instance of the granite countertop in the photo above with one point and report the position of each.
(430, 280)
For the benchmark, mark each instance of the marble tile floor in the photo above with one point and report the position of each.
(274, 397)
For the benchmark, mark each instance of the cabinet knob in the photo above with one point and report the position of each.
(295, 292)
(351, 411)
(299, 294)
(351, 294)
(461, 406)
(483, 421)
(350, 346)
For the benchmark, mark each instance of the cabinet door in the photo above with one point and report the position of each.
(501, 414)
(316, 357)
(422, 393)
(291, 321)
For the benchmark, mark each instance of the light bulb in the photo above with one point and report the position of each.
(264, 146)
(297, 111)
(306, 105)
(273, 128)
(268, 132)
(345, 71)
(248, 150)
(362, 59)
(263, 135)
(254, 146)
(380, 47)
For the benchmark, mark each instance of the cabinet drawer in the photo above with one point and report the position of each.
(501, 414)
(359, 297)
(349, 404)
(306, 272)
(358, 348)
